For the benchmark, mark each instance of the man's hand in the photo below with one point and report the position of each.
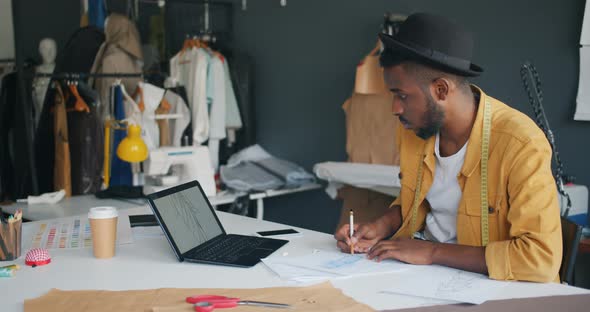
(407, 250)
(414, 251)
(365, 236)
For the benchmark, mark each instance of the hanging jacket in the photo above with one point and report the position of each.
(62, 173)
(15, 153)
(86, 137)
(77, 56)
(120, 53)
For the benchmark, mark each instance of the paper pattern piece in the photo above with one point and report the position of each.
(319, 298)
(324, 265)
(447, 284)
(74, 233)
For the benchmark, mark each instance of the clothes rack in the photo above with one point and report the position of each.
(87, 75)
(214, 23)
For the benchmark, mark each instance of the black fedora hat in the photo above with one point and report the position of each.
(436, 41)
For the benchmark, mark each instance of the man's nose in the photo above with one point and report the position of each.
(396, 108)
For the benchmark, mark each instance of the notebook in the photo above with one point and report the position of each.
(195, 234)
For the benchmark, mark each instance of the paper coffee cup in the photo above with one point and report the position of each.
(103, 224)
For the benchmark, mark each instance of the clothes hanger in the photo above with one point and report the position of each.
(80, 105)
(136, 108)
(139, 93)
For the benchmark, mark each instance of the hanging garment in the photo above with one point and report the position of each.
(216, 96)
(200, 107)
(15, 153)
(188, 68)
(243, 77)
(233, 120)
(97, 13)
(86, 136)
(120, 53)
(179, 126)
(62, 167)
(151, 97)
(120, 170)
(77, 56)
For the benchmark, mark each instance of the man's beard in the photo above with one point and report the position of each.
(432, 120)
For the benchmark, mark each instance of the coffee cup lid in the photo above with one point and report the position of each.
(102, 213)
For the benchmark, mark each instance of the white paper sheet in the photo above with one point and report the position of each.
(447, 284)
(74, 233)
(323, 265)
(297, 275)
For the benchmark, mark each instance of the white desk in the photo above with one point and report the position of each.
(79, 205)
(149, 263)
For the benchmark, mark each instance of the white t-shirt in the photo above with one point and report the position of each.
(444, 196)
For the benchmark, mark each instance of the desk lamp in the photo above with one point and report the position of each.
(131, 149)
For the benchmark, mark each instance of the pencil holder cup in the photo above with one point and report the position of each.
(10, 240)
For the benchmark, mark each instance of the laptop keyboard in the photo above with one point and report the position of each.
(227, 249)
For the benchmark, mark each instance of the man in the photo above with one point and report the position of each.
(425, 67)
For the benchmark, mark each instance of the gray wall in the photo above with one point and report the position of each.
(306, 54)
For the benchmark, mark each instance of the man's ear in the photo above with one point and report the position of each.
(440, 88)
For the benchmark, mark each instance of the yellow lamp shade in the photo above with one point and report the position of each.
(132, 148)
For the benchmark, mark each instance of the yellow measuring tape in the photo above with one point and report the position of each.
(485, 150)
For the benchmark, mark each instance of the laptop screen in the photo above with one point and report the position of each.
(188, 217)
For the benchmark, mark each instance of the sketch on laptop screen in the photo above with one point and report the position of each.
(188, 218)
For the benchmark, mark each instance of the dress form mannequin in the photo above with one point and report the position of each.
(48, 52)
(369, 74)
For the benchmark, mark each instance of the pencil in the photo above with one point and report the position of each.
(351, 230)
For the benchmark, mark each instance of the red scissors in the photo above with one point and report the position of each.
(208, 303)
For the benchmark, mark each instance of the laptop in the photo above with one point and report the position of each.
(193, 230)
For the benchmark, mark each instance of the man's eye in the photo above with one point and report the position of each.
(402, 96)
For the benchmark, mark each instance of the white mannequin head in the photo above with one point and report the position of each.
(48, 50)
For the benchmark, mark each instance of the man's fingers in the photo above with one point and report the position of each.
(362, 231)
(344, 246)
(380, 248)
(342, 232)
(388, 254)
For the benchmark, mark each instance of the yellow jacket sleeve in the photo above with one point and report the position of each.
(533, 252)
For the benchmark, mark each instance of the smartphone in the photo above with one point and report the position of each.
(284, 232)
(143, 220)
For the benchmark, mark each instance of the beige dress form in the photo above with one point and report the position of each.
(370, 138)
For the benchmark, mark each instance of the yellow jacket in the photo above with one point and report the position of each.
(524, 220)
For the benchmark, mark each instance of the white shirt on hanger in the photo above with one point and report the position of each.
(152, 96)
(216, 81)
(199, 108)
